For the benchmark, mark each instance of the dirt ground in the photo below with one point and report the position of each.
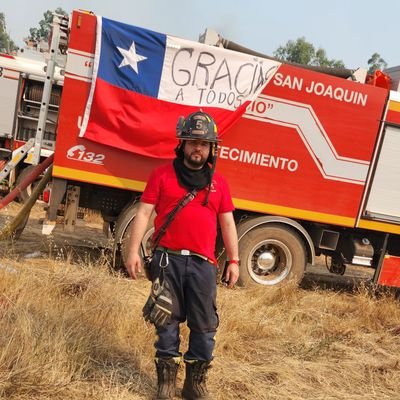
(88, 243)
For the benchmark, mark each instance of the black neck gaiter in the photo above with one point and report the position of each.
(192, 178)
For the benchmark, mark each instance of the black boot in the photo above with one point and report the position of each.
(194, 386)
(167, 369)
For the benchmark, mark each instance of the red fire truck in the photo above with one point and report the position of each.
(22, 83)
(312, 165)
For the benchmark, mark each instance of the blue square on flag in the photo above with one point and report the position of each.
(131, 57)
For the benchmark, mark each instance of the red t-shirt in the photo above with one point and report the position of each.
(194, 227)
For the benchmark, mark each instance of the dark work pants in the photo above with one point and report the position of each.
(192, 282)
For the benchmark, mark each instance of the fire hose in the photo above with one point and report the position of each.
(9, 229)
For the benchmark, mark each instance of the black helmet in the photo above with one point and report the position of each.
(197, 126)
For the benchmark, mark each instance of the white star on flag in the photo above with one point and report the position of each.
(131, 57)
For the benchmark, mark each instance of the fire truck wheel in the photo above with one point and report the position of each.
(271, 255)
(24, 195)
(123, 232)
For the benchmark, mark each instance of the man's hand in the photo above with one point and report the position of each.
(139, 225)
(232, 274)
(229, 235)
(134, 265)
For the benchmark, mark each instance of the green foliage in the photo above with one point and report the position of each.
(376, 62)
(43, 31)
(303, 52)
(6, 44)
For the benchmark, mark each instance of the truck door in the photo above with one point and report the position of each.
(384, 197)
(8, 96)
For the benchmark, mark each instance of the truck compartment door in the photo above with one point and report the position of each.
(8, 97)
(384, 197)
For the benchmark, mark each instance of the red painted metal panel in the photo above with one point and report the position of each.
(390, 272)
(305, 144)
(328, 128)
(393, 117)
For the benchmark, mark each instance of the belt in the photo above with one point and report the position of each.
(184, 252)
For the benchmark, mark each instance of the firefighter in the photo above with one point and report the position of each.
(184, 257)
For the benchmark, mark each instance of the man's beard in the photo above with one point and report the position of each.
(194, 163)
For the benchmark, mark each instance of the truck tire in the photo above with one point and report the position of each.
(122, 235)
(24, 195)
(271, 255)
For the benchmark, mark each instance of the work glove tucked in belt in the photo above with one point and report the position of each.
(158, 308)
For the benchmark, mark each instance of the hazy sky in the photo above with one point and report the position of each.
(349, 30)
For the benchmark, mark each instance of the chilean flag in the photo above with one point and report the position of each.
(144, 80)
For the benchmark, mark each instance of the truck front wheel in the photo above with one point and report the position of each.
(271, 255)
(122, 235)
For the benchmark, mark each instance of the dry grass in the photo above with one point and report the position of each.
(75, 332)
(71, 332)
(70, 329)
(92, 216)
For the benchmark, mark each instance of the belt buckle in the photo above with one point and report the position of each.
(185, 252)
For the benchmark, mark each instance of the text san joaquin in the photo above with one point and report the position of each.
(321, 89)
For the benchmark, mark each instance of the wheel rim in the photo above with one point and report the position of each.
(147, 241)
(269, 262)
(126, 238)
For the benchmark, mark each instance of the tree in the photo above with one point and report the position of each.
(303, 52)
(376, 62)
(6, 44)
(42, 33)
